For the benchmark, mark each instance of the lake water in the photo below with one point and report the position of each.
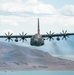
(37, 73)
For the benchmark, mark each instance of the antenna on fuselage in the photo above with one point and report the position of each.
(38, 27)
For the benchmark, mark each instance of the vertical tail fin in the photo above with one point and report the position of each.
(38, 27)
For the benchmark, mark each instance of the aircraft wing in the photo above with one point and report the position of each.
(43, 35)
(16, 36)
(10, 37)
(57, 35)
(49, 35)
(63, 35)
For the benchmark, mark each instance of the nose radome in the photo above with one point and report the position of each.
(36, 41)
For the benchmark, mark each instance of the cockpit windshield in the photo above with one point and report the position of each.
(38, 36)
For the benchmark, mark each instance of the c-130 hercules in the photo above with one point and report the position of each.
(37, 39)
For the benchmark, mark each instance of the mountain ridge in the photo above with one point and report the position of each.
(19, 58)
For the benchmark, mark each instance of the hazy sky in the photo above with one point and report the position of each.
(21, 15)
(56, 15)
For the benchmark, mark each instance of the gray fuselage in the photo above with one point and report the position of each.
(37, 40)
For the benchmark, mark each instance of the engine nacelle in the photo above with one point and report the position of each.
(58, 39)
(16, 40)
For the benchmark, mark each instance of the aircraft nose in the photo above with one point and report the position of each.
(36, 41)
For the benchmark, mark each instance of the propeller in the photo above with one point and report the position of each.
(64, 33)
(50, 35)
(23, 36)
(9, 36)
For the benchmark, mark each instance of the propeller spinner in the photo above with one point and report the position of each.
(50, 35)
(9, 36)
(64, 33)
(23, 36)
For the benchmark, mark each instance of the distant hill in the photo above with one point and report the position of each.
(19, 58)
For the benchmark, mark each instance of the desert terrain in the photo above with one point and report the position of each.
(19, 58)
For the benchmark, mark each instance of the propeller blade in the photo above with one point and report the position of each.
(25, 34)
(52, 38)
(50, 32)
(6, 39)
(6, 34)
(49, 39)
(22, 40)
(65, 38)
(50, 35)
(11, 34)
(22, 33)
(65, 31)
(19, 34)
(11, 39)
(25, 39)
(47, 33)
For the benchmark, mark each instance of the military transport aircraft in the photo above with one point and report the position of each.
(37, 39)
